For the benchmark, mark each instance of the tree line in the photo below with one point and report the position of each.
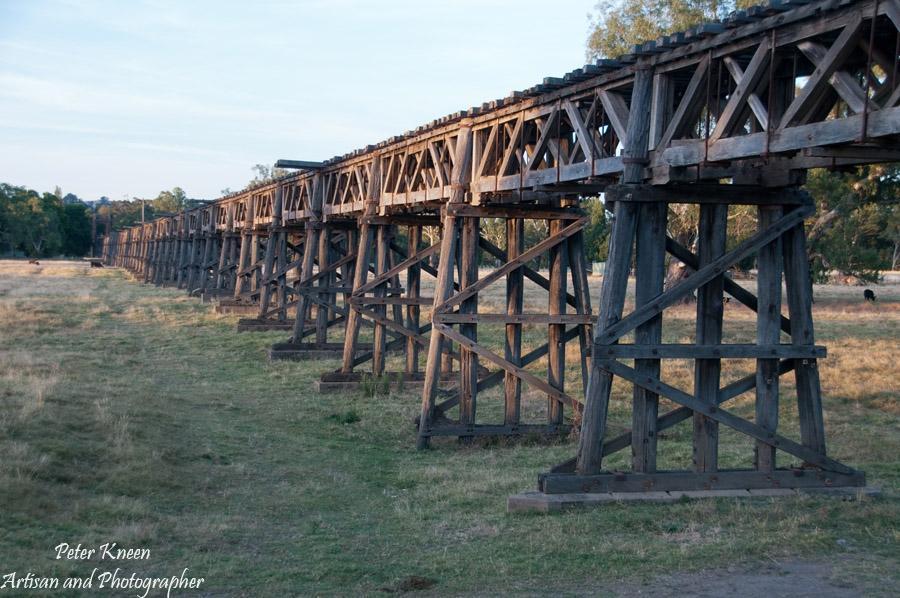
(42, 224)
(52, 224)
(856, 229)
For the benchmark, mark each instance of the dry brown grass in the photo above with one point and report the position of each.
(26, 381)
(134, 414)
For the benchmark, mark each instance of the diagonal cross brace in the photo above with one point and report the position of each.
(843, 82)
(702, 276)
(678, 415)
(544, 139)
(426, 267)
(747, 83)
(503, 270)
(532, 275)
(584, 137)
(616, 111)
(713, 412)
(386, 276)
(496, 377)
(512, 368)
(731, 287)
(689, 104)
(842, 47)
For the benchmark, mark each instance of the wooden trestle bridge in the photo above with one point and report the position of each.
(729, 113)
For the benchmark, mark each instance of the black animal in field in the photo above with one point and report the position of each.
(869, 295)
(34, 261)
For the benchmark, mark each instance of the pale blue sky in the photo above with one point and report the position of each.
(126, 98)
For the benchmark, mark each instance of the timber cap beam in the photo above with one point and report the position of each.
(299, 164)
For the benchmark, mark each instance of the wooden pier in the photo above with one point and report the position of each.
(727, 114)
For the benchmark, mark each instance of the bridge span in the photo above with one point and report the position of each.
(726, 114)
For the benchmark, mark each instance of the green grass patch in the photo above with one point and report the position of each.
(135, 415)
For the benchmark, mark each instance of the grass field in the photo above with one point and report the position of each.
(132, 414)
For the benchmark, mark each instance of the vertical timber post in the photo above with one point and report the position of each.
(413, 287)
(515, 297)
(459, 182)
(325, 282)
(768, 332)
(281, 264)
(615, 281)
(361, 270)
(556, 348)
(254, 257)
(247, 239)
(468, 360)
(310, 246)
(227, 241)
(272, 242)
(192, 257)
(206, 268)
(581, 290)
(382, 239)
(798, 284)
(650, 256)
(710, 310)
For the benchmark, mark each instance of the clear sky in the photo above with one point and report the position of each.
(127, 98)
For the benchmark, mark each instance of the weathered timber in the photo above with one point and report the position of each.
(612, 295)
(755, 101)
(685, 480)
(710, 310)
(650, 254)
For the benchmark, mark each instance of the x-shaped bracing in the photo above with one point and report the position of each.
(608, 337)
(442, 318)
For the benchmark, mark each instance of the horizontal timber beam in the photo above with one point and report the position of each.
(689, 480)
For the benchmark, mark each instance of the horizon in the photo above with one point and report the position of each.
(126, 101)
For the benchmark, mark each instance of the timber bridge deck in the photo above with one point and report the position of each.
(728, 113)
